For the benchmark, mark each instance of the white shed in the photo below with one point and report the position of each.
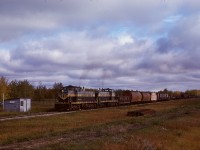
(18, 104)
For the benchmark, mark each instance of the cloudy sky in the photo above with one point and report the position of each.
(129, 44)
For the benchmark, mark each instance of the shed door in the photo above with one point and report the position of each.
(22, 105)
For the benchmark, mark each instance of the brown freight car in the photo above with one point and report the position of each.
(146, 96)
(123, 97)
(136, 96)
(127, 97)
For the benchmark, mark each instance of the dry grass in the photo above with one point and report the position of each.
(18, 130)
(175, 126)
(135, 143)
(178, 132)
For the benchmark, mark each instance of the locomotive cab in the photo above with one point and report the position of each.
(68, 93)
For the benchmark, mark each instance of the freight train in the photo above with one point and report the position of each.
(75, 98)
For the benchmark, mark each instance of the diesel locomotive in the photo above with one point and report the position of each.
(74, 98)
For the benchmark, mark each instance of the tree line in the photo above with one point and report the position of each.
(179, 94)
(24, 89)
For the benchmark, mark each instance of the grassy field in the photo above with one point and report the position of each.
(175, 125)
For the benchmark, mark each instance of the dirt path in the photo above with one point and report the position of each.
(34, 115)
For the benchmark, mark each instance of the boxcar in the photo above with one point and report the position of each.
(124, 97)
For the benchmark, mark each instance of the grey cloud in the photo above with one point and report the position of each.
(25, 16)
(183, 43)
(75, 42)
(79, 57)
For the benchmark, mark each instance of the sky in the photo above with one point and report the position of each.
(120, 44)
